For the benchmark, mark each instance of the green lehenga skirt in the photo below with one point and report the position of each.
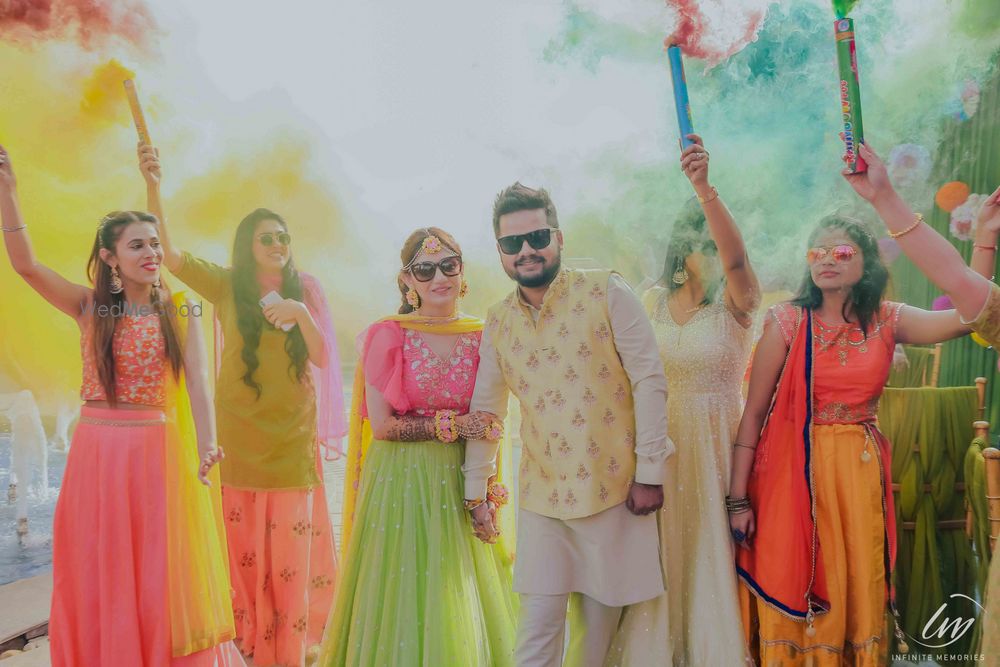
(417, 587)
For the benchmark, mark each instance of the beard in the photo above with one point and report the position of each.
(544, 277)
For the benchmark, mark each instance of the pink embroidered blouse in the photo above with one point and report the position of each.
(413, 378)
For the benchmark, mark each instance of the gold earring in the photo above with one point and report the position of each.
(413, 298)
(464, 289)
(116, 281)
(680, 276)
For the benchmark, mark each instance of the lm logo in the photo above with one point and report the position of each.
(942, 631)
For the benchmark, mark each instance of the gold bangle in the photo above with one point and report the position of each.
(705, 200)
(916, 223)
(979, 246)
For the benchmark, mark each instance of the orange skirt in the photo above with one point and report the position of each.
(851, 528)
(283, 570)
(110, 603)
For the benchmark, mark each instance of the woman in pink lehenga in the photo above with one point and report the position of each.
(138, 548)
(278, 396)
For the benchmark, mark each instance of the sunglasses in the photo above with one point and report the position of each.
(425, 271)
(840, 253)
(538, 239)
(268, 239)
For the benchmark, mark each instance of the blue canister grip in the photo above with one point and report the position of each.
(681, 103)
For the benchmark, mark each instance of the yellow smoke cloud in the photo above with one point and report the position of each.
(66, 123)
(104, 93)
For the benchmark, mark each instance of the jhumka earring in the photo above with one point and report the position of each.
(116, 281)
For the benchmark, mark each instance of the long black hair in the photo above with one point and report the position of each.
(689, 235)
(866, 295)
(246, 294)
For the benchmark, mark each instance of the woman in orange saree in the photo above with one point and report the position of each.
(810, 498)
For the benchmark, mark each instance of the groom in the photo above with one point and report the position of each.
(577, 350)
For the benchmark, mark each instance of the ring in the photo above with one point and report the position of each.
(739, 535)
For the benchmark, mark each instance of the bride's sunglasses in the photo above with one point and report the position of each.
(425, 271)
(268, 239)
(840, 253)
(538, 239)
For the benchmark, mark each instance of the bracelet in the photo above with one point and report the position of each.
(492, 431)
(445, 429)
(977, 246)
(705, 200)
(14, 229)
(497, 494)
(740, 444)
(473, 504)
(916, 223)
(737, 505)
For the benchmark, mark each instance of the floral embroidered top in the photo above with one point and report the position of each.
(849, 368)
(141, 362)
(413, 378)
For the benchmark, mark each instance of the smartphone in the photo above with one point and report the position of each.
(272, 298)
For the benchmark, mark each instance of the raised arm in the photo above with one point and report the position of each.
(917, 326)
(742, 287)
(196, 380)
(933, 255)
(984, 248)
(69, 297)
(149, 166)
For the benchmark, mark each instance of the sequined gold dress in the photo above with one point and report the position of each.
(697, 621)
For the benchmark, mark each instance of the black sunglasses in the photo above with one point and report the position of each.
(538, 239)
(425, 271)
(267, 238)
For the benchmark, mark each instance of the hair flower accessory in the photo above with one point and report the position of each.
(432, 245)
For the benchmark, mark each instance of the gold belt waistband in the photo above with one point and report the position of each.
(84, 419)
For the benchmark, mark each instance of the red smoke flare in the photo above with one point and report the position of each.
(694, 33)
(89, 22)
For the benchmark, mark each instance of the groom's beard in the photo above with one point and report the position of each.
(548, 273)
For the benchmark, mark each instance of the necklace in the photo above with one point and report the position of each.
(691, 310)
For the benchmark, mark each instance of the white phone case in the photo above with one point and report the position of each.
(271, 298)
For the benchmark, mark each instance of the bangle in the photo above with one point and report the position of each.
(497, 494)
(916, 223)
(978, 246)
(712, 197)
(737, 505)
(491, 431)
(473, 504)
(740, 444)
(445, 429)
(14, 229)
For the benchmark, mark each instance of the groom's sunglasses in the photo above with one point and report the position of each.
(538, 239)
